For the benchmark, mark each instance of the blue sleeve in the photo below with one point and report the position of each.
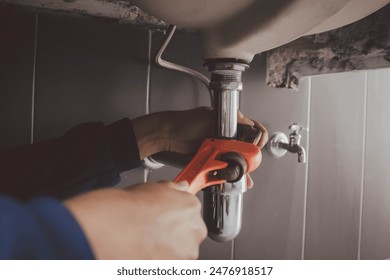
(40, 229)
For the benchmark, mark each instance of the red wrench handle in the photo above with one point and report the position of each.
(199, 172)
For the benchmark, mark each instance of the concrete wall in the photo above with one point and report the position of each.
(56, 72)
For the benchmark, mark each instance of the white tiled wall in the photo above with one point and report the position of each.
(334, 207)
(348, 216)
(376, 195)
(337, 133)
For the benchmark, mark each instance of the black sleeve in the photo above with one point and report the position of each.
(86, 157)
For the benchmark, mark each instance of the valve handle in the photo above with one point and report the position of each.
(296, 127)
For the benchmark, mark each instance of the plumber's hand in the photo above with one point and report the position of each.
(147, 221)
(190, 128)
(182, 131)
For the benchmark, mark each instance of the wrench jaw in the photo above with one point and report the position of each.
(217, 161)
(236, 169)
(229, 167)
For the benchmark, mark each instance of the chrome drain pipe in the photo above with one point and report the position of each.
(222, 204)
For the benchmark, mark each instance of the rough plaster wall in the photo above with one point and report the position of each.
(121, 10)
(361, 45)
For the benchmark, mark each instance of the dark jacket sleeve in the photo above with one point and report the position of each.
(40, 229)
(89, 156)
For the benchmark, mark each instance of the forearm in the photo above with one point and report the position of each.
(86, 157)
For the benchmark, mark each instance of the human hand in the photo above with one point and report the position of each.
(175, 131)
(147, 221)
(190, 128)
(263, 140)
(183, 131)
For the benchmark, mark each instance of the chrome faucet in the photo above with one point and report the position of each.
(279, 144)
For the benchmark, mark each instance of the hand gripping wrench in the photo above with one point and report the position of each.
(218, 161)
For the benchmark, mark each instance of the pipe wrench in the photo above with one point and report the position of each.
(221, 160)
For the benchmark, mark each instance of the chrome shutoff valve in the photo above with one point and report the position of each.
(279, 144)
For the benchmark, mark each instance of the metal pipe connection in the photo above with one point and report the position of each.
(222, 204)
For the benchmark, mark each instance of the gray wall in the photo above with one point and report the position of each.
(56, 72)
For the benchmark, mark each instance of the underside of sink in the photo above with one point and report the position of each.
(241, 29)
(229, 28)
